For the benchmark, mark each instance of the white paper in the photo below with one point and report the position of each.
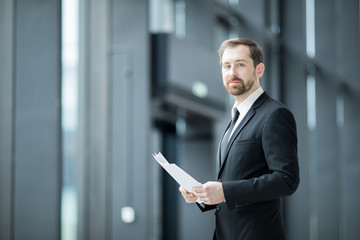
(180, 176)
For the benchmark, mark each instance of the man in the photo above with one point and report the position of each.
(257, 156)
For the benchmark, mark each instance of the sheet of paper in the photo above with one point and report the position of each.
(180, 176)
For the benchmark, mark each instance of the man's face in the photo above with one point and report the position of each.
(238, 71)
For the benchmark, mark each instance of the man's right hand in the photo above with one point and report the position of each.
(189, 197)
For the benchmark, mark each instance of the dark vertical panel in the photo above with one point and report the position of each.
(349, 32)
(326, 159)
(170, 220)
(197, 155)
(326, 134)
(6, 116)
(350, 165)
(159, 64)
(294, 55)
(350, 132)
(37, 155)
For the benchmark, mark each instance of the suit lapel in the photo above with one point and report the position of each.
(220, 154)
(250, 114)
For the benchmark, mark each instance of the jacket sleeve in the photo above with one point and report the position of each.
(204, 207)
(279, 143)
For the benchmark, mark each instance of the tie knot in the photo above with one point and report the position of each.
(236, 114)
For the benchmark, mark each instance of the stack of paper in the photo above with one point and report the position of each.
(182, 177)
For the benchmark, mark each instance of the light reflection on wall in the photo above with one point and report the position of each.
(310, 28)
(70, 60)
(311, 119)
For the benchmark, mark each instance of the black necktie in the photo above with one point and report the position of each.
(225, 139)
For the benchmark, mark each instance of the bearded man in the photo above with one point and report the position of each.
(257, 155)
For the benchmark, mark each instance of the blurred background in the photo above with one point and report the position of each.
(89, 89)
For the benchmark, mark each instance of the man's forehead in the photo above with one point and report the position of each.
(236, 53)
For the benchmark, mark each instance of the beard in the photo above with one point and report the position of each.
(240, 88)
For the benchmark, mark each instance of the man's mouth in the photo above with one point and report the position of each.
(234, 81)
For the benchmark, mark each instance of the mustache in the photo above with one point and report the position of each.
(235, 79)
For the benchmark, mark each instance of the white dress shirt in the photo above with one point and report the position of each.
(244, 107)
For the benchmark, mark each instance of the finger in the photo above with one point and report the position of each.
(183, 190)
(197, 189)
(190, 199)
(200, 193)
(189, 195)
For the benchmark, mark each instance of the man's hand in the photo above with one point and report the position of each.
(210, 193)
(189, 197)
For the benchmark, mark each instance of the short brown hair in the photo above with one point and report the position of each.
(256, 53)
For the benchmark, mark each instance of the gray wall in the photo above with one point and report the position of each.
(130, 124)
(6, 113)
(93, 115)
(30, 120)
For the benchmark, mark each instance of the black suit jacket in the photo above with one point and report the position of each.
(260, 167)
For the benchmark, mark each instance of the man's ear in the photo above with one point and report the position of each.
(260, 68)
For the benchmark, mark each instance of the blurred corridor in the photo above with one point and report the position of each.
(90, 89)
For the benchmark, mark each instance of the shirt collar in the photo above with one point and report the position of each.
(244, 107)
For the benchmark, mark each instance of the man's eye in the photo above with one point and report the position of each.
(227, 66)
(241, 65)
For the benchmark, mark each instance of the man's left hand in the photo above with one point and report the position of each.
(210, 193)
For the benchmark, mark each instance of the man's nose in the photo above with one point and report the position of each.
(233, 72)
